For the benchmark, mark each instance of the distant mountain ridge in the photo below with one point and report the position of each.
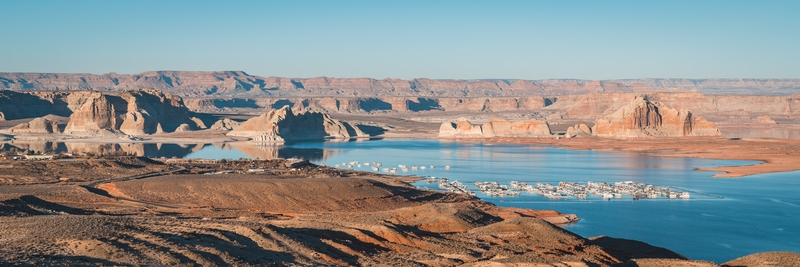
(241, 84)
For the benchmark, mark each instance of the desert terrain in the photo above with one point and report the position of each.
(98, 202)
(127, 210)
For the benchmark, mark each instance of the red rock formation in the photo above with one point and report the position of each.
(504, 128)
(462, 128)
(642, 118)
(96, 116)
(579, 130)
(132, 112)
(224, 124)
(495, 128)
(284, 125)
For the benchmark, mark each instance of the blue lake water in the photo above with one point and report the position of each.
(755, 214)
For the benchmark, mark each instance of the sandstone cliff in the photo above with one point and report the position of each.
(33, 104)
(131, 112)
(643, 118)
(284, 125)
(495, 128)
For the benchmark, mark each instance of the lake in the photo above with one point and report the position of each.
(724, 219)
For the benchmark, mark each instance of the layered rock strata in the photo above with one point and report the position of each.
(495, 128)
(227, 83)
(285, 125)
(643, 118)
(131, 112)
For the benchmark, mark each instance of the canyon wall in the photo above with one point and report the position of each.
(131, 112)
(91, 113)
(239, 83)
(370, 104)
(141, 113)
(20, 105)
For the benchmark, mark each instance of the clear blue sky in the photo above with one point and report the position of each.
(407, 39)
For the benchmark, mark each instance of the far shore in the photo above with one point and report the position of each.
(776, 155)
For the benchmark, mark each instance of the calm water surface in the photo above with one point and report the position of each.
(754, 214)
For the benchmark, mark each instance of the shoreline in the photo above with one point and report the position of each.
(774, 155)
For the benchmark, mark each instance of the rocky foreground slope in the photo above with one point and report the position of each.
(287, 214)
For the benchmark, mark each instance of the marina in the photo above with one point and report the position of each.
(561, 190)
(705, 224)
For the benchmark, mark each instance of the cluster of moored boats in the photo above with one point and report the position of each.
(602, 189)
(452, 186)
(378, 167)
(495, 189)
(564, 189)
(554, 191)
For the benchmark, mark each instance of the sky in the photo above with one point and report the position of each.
(407, 39)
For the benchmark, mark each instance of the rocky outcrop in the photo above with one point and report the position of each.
(504, 128)
(494, 128)
(225, 124)
(462, 128)
(579, 130)
(284, 125)
(765, 119)
(183, 128)
(132, 112)
(643, 118)
(198, 122)
(37, 125)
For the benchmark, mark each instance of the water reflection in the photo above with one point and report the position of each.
(267, 151)
(172, 150)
